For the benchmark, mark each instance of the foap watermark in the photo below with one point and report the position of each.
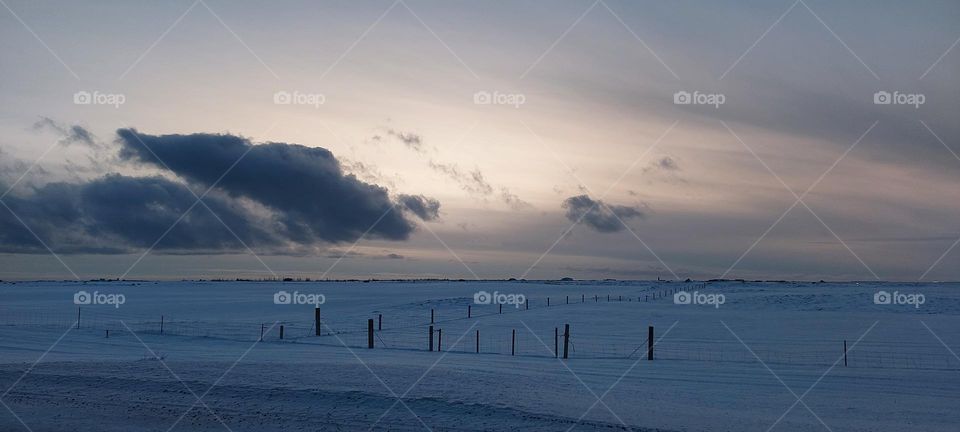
(899, 298)
(98, 298)
(96, 97)
(297, 97)
(697, 98)
(298, 298)
(484, 97)
(897, 98)
(698, 298)
(485, 298)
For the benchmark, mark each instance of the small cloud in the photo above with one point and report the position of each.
(411, 140)
(599, 215)
(69, 134)
(513, 200)
(665, 163)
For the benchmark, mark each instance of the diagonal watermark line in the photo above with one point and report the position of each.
(172, 373)
(354, 44)
(942, 256)
(545, 346)
(27, 371)
(650, 50)
(64, 264)
(382, 382)
(798, 198)
(839, 40)
(939, 59)
(429, 369)
(600, 198)
(217, 382)
(563, 35)
(37, 37)
(439, 40)
(451, 251)
(762, 36)
(237, 37)
(940, 340)
(817, 382)
(15, 416)
(154, 44)
(198, 201)
(617, 382)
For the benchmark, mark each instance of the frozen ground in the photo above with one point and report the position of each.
(740, 366)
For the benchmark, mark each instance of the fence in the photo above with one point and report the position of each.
(460, 330)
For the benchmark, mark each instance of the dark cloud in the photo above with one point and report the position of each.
(599, 215)
(115, 214)
(425, 208)
(279, 198)
(472, 182)
(311, 198)
(69, 134)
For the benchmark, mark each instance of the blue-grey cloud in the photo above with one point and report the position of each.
(599, 215)
(310, 196)
(425, 208)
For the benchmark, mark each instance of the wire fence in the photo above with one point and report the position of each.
(477, 331)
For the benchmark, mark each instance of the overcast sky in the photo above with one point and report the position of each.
(480, 139)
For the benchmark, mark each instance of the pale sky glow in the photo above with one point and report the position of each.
(597, 81)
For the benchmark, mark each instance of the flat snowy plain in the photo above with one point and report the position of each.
(770, 357)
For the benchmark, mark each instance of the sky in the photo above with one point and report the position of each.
(797, 139)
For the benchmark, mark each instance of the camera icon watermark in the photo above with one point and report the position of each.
(297, 97)
(898, 98)
(898, 298)
(84, 97)
(484, 97)
(697, 98)
(698, 298)
(486, 298)
(298, 298)
(96, 298)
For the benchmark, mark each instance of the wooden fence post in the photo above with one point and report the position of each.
(566, 339)
(439, 340)
(370, 333)
(844, 353)
(513, 342)
(556, 342)
(78, 317)
(501, 308)
(261, 332)
(478, 341)
(161, 324)
(431, 338)
(468, 310)
(548, 301)
(582, 298)
(316, 319)
(621, 298)
(650, 343)
(431, 316)
(281, 332)
(380, 322)
(568, 299)
(108, 333)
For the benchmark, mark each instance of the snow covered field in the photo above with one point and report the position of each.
(769, 357)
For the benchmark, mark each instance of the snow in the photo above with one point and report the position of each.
(706, 375)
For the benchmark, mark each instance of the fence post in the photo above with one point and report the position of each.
(380, 322)
(568, 299)
(526, 304)
(261, 332)
(596, 298)
(608, 297)
(316, 319)
(556, 342)
(501, 308)
(844, 353)
(439, 340)
(78, 317)
(431, 338)
(161, 324)
(548, 301)
(566, 339)
(478, 341)
(650, 343)
(513, 342)
(108, 333)
(468, 310)
(582, 298)
(621, 298)
(370, 333)
(281, 332)
(431, 316)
